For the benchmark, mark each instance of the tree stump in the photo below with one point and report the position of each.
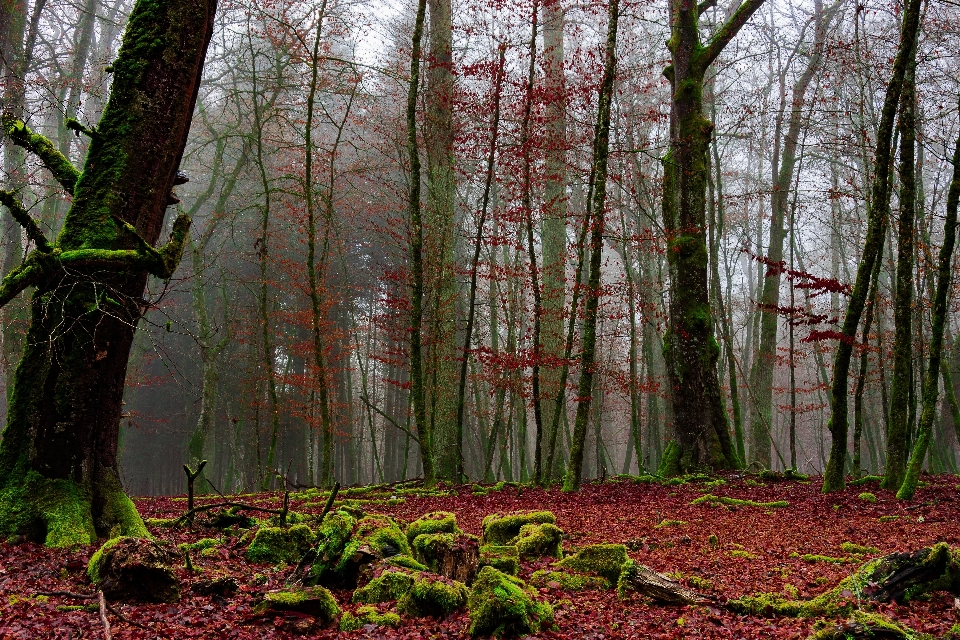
(136, 569)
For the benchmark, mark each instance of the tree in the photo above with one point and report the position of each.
(58, 457)
(691, 349)
(879, 211)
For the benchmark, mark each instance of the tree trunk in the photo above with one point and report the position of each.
(691, 350)
(58, 457)
(596, 213)
(833, 478)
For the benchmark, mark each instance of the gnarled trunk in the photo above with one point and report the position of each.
(58, 458)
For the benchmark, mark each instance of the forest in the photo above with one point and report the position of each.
(553, 318)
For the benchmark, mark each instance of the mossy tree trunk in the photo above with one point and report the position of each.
(931, 386)
(879, 211)
(596, 214)
(58, 458)
(691, 350)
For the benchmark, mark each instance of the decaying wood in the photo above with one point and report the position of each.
(646, 581)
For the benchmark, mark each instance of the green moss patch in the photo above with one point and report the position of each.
(501, 529)
(866, 496)
(736, 502)
(503, 558)
(276, 545)
(436, 522)
(605, 560)
(432, 596)
(315, 601)
(538, 540)
(368, 615)
(391, 584)
(849, 547)
(501, 605)
(568, 580)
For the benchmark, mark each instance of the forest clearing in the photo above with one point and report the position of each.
(798, 549)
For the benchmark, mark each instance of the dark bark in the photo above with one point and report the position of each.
(879, 211)
(691, 350)
(58, 457)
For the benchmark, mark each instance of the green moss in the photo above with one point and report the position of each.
(868, 625)
(95, 565)
(432, 595)
(56, 512)
(436, 522)
(538, 540)
(392, 584)
(333, 535)
(568, 580)
(737, 553)
(866, 480)
(866, 496)
(849, 547)
(403, 560)
(736, 502)
(368, 615)
(199, 545)
(713, 540)
(161, 522)
(500, 529)
(500, 605)
(670, 460)
(276, 545)
(605, 560)
(670, 523)
(315, 601)
(503, 558)
(812, 558)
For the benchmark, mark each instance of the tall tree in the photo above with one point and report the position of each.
(700, 423)
(58, 457)
(879, 211)
(596, 214)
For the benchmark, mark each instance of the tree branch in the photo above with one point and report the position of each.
(727, 32)
(9, 199)
(61, 168)
(705, 5)
(24, 276)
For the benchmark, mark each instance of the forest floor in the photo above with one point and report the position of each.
(756, 550)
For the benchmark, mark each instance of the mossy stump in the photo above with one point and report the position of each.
(367, 615)
(433, 596)
(346, 549)
(503, 606)
(135, 569)
(430, 523)
(450, 555)
(313, 601)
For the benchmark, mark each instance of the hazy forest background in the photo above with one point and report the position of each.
(283, 339)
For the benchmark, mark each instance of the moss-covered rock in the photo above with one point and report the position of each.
(605, 560)
(368, 615)
(432, 595)
(406, 562)
(502, 557)
(128, 568)
(314, 601)
(276, 545)
(568, 580)
(436, 522)
(389, 583)
(501, 529)
(538, 540)
(346, 548)
(501, 605)
(451, 555)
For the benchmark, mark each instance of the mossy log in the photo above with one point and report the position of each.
(58, 458)
(135, 569)
(645, 581)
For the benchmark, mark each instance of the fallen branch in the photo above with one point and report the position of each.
(68, 594)
(646, 581)
(238, 505)
(103, 616)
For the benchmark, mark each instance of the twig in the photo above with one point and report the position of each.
(238, 505)
(103, 616)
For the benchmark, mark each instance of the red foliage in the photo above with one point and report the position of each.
(619, 512)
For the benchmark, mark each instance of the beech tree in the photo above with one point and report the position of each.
(702, 438)
(58, 458)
